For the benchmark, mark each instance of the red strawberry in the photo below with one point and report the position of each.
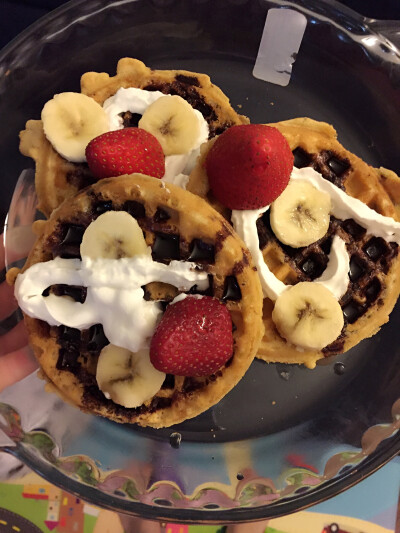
(194, 338)
(249, 166)
(124, 152)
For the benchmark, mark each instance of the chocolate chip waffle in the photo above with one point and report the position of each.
(176, 225)
(374, 277)
(58, 179)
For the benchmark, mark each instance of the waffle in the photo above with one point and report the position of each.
(374, 264)
(165, 214)
(58, 179)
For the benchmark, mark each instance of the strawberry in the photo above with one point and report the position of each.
(193, 338)
(124, 152)
(249, 166)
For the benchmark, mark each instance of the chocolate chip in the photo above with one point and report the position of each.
(338, 166)
(130, 120)
(188, 80)
(164, 304)
(262, 231)
(301, 158)
(201, 251)
(352, 228)
(375, 248)
(358, 268)
(69, 247)
(161, 215)
(136, 209)
(190, 384)
(73, 234)
(96, 338)
(334, 347)
(67, 359)
(289, 251)
(159, 402)
(165, 247)
(69, 335)
(217, 130)
(372, 290)
(353, 310)
(312, 266)
(231, 289)
(326, 245)
(169, 382)
(205, 109)
(75, 292)
(206, 292)
(385, 265)
(102, 207)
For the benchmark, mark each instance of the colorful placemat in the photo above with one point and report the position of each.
(32, 505)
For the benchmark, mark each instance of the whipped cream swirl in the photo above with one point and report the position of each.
(114, 294)
(335, 277)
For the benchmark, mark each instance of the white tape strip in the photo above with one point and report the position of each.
(280, 43)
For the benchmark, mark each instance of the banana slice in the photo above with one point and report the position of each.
(113, 235)
(308, 315)
(127, 378)
(173, 122)
(71, 121)
(300, 215)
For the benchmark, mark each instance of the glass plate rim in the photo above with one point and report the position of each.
(375, 460)
(333, 487)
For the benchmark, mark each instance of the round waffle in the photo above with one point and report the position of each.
(374, 283)
(165, 213)
(58, 179)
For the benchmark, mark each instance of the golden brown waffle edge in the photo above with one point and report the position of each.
(378, 188)
(57, 179)
(187, 398)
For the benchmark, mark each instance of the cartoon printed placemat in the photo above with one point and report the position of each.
(31, 505)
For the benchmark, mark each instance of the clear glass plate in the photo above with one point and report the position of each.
(285, 437)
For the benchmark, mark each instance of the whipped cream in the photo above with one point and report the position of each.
(114, 294)
(183, 296)
(180, 180)
(345, 206)
(137, 101)
(335, 277)
(130, 99)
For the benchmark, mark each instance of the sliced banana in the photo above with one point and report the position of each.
(173, 122)
(308, 315)
(113, 235)
(127, 378)
(300, 215)
(71, 121)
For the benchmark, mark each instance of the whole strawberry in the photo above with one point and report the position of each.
(194, 338)
(124, 152)
(249, 166)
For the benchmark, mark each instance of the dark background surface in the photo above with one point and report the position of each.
(15, 15)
